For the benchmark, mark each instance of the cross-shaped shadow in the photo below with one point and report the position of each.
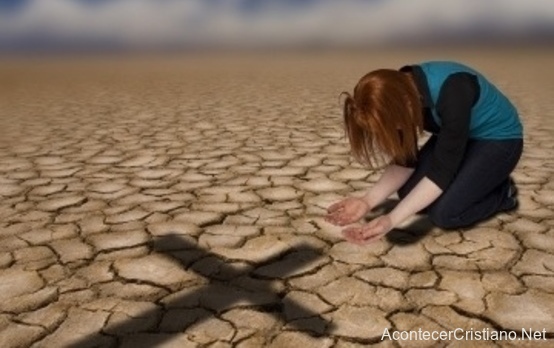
(222, 292)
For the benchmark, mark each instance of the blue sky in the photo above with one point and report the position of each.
(237, 23)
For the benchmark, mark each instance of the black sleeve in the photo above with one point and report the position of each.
(457, 96)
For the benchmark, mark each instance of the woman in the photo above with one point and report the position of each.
(460, 176)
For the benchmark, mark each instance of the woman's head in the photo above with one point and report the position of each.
(383, 118)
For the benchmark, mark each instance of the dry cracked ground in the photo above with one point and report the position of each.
(178, 202)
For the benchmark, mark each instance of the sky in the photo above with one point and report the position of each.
(67, 24)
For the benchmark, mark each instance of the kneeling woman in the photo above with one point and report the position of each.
(460, 176)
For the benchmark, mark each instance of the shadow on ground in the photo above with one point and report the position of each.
(222, 292)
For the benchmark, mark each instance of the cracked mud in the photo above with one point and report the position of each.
(179, 203)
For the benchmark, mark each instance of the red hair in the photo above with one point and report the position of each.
(383, 118)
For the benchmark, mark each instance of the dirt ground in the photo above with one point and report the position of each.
(177, 201)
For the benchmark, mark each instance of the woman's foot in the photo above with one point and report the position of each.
(511, 202)
(512, 189)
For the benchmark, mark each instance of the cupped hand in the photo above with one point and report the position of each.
(347, 211)
(369, 232)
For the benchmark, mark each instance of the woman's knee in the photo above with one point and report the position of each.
(444, 218)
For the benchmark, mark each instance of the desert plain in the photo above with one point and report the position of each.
(178, 201)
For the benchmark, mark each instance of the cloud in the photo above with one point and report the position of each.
(159, 23)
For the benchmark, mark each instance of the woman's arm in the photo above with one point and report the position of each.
(421, 196)
(390, 181)
(458, 94)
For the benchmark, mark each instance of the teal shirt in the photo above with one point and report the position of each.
(493, 116)
(458, 105)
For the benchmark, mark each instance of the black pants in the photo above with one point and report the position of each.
(480, 188)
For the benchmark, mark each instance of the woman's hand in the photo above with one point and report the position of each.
(347, 211)
(369, 232)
